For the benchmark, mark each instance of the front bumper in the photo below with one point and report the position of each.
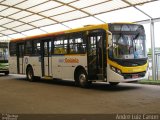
(115, 77)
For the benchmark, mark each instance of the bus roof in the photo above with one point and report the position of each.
(87, 27)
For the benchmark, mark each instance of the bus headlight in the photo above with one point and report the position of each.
(116, 70)
(113, 68)
(119, 71)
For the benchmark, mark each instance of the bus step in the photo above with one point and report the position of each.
(100, 76)
(47, 77)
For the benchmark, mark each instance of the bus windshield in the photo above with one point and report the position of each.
(128, 42)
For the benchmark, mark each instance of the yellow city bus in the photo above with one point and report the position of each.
(113, 53)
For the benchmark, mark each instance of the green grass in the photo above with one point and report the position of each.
(150, 82)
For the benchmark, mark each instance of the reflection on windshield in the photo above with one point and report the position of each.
(128, 46)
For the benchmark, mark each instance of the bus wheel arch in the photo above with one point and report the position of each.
(30, 73)
(81, 77)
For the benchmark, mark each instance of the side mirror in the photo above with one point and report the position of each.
(109, 38)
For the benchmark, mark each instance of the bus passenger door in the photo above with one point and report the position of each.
(96, 55)
(46, 59)
(20, 56)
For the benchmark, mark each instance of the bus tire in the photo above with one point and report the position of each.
(82, 79)
(113, 83)
(6, 73)
(30, 74)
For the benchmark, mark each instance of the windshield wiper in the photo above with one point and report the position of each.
(136, 36)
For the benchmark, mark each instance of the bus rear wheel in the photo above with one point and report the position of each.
(6, 73)
(113, 83)
(30, 74)
(81, 79)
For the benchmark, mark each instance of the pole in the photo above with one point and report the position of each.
(153, 49)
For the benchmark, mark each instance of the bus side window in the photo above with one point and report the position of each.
(29, 48)
(37, 48)
(77, 44)
(60, 45)
(56, 51)
(12, 49)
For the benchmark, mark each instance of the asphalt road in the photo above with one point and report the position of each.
(53, 97)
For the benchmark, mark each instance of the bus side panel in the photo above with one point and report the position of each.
(13, 65)
(63, 67)
(35, 62)
(56, 66)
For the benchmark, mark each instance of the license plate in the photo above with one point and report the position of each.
(135, 76)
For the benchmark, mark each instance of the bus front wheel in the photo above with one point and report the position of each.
(81, 79)
(30, 74)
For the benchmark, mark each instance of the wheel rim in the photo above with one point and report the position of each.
(82, 78)
(30, 74)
